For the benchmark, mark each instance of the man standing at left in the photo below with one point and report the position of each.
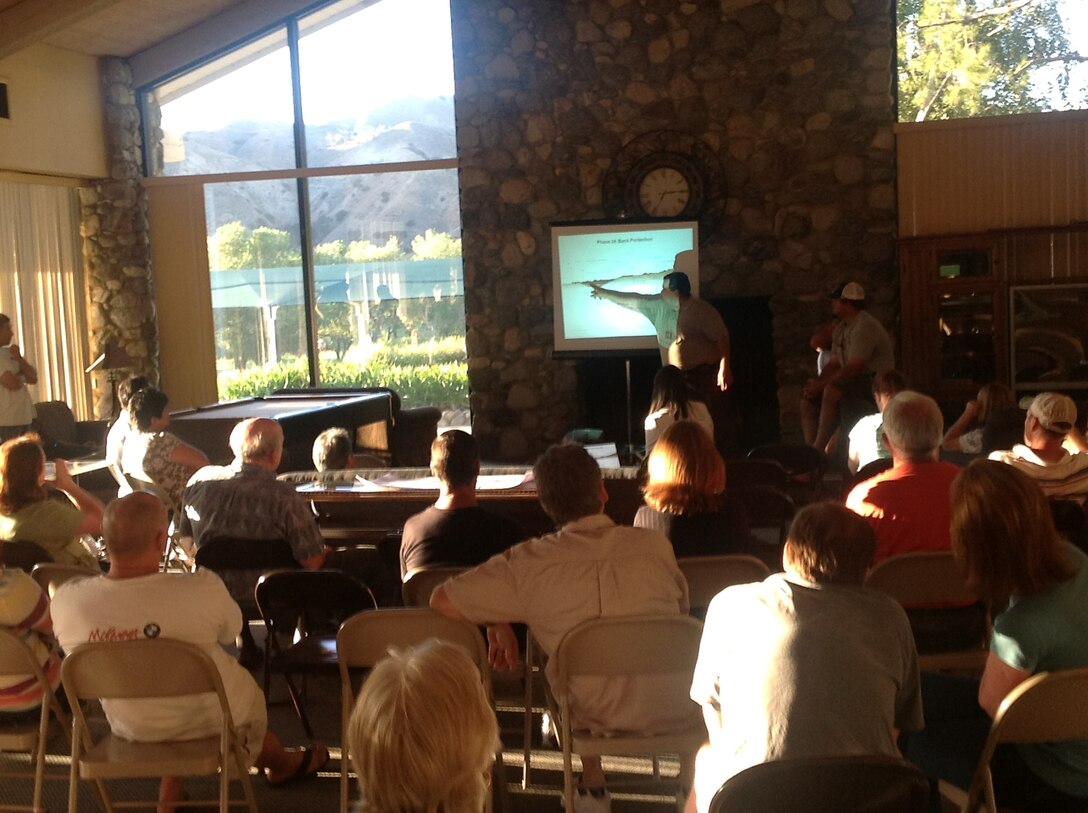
(16, 408)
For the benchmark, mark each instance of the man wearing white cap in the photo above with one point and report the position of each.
(860, 347)
(1051, 417)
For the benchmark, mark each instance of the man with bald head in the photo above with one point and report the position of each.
(134, 601)
(245, 500)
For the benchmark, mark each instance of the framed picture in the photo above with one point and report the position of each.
(1049, 336)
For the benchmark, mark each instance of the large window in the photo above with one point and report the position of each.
(327, 155)
(965, 58)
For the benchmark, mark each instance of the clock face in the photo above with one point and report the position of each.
(664, 192)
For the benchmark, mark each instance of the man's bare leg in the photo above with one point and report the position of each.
(829, 416)
(171, 791)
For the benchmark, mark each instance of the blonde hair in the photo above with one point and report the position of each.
(423, 735)
(993, 397)
(686, 473)
(1003, 532)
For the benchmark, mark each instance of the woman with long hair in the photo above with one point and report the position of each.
(1037, 584)
(994, 402)
(685, 495)
(154, 455)
(27, 514)
(674, 399)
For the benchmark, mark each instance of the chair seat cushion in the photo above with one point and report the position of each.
(115, 757)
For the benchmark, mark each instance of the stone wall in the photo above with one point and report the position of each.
(795, 98)
(115, 240)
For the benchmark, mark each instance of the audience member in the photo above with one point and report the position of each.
(685, 495)
(152, 454)
(115, 438)
(245, 501)
(136, 601)
(806, 663)
(455, 531)
(24, 610)
(860, 347)
(28, 514)
(16, 406)
(907, 505)
(423, 736)
(966, 434)
(671, 400)
(867, 436)
(1013, 559)
(333, 450)
(1051, 417)
(589, 568)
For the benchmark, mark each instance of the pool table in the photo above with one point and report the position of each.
(303, 418)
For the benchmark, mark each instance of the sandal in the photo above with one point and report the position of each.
(307, 768)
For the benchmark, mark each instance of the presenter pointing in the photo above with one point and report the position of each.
(16, 406)
(691, 335)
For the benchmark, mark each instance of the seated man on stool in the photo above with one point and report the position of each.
(590, 568)
(455, 531)
(245, 501)
(135, 600)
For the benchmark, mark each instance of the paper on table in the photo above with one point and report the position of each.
(486, 482)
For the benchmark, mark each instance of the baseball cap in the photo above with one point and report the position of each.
(848, 290)
(1055, 412)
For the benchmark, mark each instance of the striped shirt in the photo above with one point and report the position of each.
(24, 609)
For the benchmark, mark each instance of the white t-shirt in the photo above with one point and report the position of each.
(865, 440)
(802, 670)
(657, 422)
(194, 608)
(16, 407)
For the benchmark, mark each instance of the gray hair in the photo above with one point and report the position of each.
(913, 424)
(332, 449)
(256, 439)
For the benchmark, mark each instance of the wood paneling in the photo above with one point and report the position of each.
(1001, 173)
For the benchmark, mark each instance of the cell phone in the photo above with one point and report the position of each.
(50, 470)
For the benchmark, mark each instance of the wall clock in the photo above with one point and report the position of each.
(666, 174)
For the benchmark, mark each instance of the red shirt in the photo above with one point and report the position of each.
(908, 506)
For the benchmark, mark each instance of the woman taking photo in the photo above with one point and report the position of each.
(28, 514)
(685, 495)
(671, 400)
(1037, 585)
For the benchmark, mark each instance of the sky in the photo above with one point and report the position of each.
(392, 50)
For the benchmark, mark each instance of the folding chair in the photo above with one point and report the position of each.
(747, 472)
(709, 575)
(845, 784)
(1047, 707)
(306, 608)
(804, 465)
(419, 585)
(149, 668)
(932, 580)
(18, 659)
(634, 646)
(50, 576)
(365, 638)
(767, 507)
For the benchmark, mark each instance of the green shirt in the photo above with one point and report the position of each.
(52, 524)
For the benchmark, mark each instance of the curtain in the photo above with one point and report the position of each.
(42, 290)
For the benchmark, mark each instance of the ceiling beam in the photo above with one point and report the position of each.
(31, 21)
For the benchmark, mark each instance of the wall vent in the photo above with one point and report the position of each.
(5, 111)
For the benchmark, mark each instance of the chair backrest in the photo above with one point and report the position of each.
(55, 421)
(150, 667)
(284, 596)
(1047, 707)
(923, 577)
(870, 469)
(50, 575)
(845, 784)
(709, 575)
(23, 554)
(16, 658)
(138, 484)
(750, 472)
(630, 645)
(419, 585)
(365, 638)
(798, 459)
(230, 553)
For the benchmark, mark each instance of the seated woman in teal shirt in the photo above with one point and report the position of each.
(1037, 585)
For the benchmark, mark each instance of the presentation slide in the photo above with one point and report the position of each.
(621, 257)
